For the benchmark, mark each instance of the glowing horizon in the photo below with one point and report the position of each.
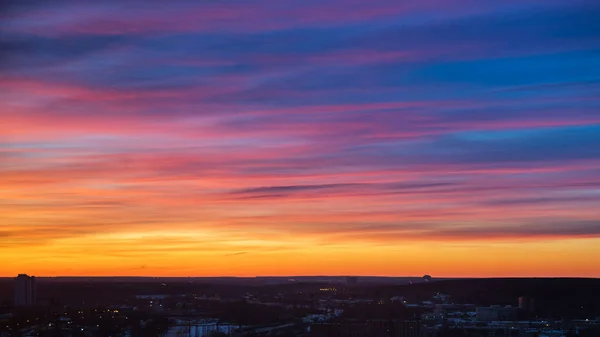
(285, 139)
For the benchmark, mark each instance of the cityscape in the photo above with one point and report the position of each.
(300, 168)
(301, 306)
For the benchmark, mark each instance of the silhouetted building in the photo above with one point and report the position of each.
(497, 313)
(527, 304)
(25, 293)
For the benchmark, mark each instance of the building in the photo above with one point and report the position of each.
(351, 280)
(527, 304)
(437, 315)
(25, 291)
(497, 313)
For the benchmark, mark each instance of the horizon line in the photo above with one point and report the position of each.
(304, 276)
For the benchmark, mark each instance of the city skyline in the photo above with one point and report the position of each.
(376, 138)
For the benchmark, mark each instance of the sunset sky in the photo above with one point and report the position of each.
(275, 137)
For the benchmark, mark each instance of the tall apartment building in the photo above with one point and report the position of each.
(25, 292)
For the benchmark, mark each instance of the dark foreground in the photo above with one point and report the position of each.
(304, 307)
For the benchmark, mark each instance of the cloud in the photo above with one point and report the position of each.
(566, 229)
(201, 129)
(236, 254)
(456, 232)
(296, 188)
(548, 200)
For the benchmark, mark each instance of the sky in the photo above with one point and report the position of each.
(276, 137)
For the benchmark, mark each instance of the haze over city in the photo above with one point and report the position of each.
(385, 138)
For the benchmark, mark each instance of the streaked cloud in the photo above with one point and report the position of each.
(340, 137)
